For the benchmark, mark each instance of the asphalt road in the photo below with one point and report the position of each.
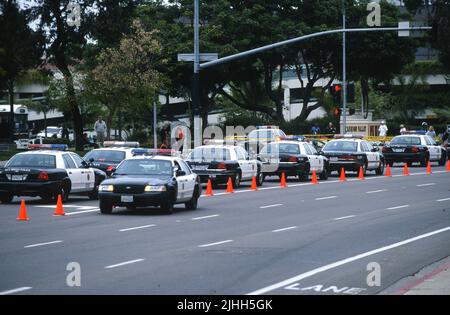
(303, 239)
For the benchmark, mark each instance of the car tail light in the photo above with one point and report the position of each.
(221, 166)
(348, 157)
(110, 168)
(293, 159)
(386, 149)
(43, 176)
(414, 149)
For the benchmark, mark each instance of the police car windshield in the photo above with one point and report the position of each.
(111, 156)
(286, 148)
(145, 167)
(210, 154)
(32, 160)
(406, 140)
(348, 146)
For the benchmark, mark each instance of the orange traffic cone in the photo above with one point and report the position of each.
(254, 186)
(283, 181)
(388, 171)
(361, 173)
(314, 178)
(23, 212)
(209, 191)
(405, 169)
(230, 186)
(429, 168)
(59, 207)
(448, 166)
(342, 177)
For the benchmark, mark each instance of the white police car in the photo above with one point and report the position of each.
(143, 181)
(48, 172)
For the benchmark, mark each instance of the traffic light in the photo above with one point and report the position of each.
(336, 111)
(336, 91)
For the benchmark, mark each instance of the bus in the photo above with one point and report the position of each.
(20, 122)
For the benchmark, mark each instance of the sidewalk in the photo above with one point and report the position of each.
(433, 280)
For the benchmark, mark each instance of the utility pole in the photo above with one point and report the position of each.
(196, 79)
(344, 73)
(155, 138)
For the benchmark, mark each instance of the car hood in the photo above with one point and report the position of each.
(137, 180)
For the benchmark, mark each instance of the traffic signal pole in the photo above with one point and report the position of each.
(344, 73)
(196, 80)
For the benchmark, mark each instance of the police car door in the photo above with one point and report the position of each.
(318, 159)
(87, 174)
(189, 184)
(181, 183)
(74, 173)
(246, 165)
(435, 151)
(372, 157)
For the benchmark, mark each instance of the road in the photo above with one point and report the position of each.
(303, 239)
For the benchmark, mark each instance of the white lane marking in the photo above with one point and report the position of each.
(137, 228)
(84, 211)
(15, 290)
(345, 261)
(425, 185)
(376, 191)
(42, 244)
(205, 217)
(271, 206)
(284, 229)
(124, 263)
(325, 198)
(398, 207)
(445, 199)
(343, 218)
(216, 243)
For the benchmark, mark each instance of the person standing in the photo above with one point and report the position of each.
(100, 129)
(431, 133)
(383, 129)
(331, 130)
(402, 129)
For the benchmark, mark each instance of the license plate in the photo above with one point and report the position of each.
(126, 198)
(333, 159)
(398, 150)
(18, 177)
(200, 167)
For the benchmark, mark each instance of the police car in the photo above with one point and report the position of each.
(351, 153)
(414, 148)
(46, 171)
(220, 162)
(144, 181)
(111, 155)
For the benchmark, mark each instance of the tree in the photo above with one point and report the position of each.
(19, 50)
(64, 46)
(127, 76)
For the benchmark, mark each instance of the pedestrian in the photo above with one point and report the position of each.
(179, 137)
(331, 130)
(431, 133)
(100, 129)
(315, 129)
(402, 129)
(383, 129)
(65, 132)
(445, 137)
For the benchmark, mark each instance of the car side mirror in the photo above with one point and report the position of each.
(84, 164)
(91, 160)
(376, 149)
(180, 173)
(320, 153)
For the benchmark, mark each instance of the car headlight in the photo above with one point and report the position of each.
(155, 188)
(109, 188)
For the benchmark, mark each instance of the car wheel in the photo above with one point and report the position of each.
(237, 181)
(192, 204)
(410, 163)
(106, 207)
(390, 163)
(324, 174)
(93, 195)
(303, 177)
(167, 206)
(424, 163)
(64, 192)
(7, 198)
(380, 169)
(443, 159)
(260, 178)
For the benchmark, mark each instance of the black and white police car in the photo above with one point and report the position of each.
(414, 148)
(48, 171)
(111, 154)
(351, 153)
(144, 181)
(220, 162)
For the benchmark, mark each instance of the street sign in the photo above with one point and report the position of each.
(403, 25)
(203, 57)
